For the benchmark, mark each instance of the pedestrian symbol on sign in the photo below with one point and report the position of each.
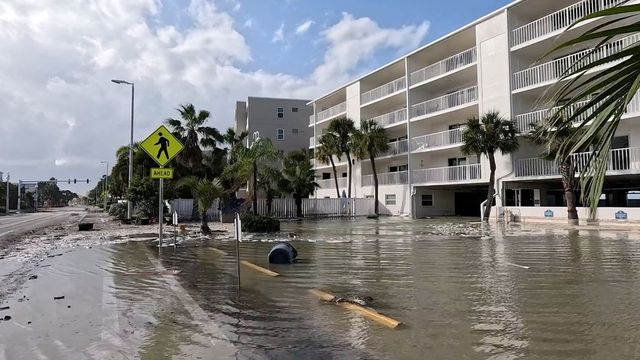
(164, 143)
(161, 145)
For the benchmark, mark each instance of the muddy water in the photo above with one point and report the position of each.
(463, 292)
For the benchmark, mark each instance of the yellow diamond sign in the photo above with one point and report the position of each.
(161, 145)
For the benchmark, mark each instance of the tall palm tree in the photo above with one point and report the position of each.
(298, 177)
(606, 95)
(552, 141)
(193, 133)
(370, 142)
(487, 135)
(268, 181)
(325, 152)
(205, 192)
(343, 128)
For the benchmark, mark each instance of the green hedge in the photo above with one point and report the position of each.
(259, 224)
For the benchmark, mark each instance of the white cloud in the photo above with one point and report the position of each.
(248, 23)
(278, 35)
(304, 27)
(60, 108)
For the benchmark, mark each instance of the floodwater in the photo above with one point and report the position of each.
(461, 291)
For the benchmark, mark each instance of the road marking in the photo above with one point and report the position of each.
(520, 266)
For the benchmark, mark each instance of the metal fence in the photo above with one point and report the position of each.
(185, 209)
(286, 208)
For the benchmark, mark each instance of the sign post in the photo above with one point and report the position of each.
(238, 227)
(162, 146)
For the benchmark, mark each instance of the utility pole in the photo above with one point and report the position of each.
(7, 208)
(121, 82)
(106, 184)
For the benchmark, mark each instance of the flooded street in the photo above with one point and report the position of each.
(462, 292)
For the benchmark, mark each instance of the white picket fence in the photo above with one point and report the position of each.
(286, 208)
(184, 207)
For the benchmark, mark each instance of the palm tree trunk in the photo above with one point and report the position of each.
(568, 172)
(204, 226)
(349, 165)
(491, 189)
(335, 176)
(375, 185)
(298, 206)
(269, 204)
(255, 188)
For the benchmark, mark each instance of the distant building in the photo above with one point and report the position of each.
(284, 121)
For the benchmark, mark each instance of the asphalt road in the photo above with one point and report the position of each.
(15, 225)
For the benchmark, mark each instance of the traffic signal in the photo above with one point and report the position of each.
(74, 181)
(69, 181)
(87, 181)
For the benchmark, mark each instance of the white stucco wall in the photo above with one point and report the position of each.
(443, 203)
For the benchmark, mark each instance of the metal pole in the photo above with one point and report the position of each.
(19, 194)
(160, 208)
(8, 176)
(238, 237)
(129, 207)
(106, 186)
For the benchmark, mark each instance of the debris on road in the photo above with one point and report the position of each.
(58, 297)
(33, 277)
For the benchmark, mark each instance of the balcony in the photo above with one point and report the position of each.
(331, 112)
(552, 71)
(383, 91)
(458, 98)
(397, 148)
(312, 142)
(621, 161)
(559, 20)
(443, 67)
(331, 184)
(443, 139)
(391, 118)
(312, 120)
(393, 178)
(447, 175)
(524, 121)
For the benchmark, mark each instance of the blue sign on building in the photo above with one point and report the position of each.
(621, 215)
(548, 213)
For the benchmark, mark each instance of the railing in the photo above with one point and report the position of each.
(448, 101)
(442, 67)
(331, 112)
(524, 121)
(392, 178)
(397, 148)
(312, 119)
(331, 184)
(559, 20)
(391, 118)
(554, 70)
(436, 140)
(625, 160)
(384, 90)
(449, 174)
(312, 142)
(286, 208)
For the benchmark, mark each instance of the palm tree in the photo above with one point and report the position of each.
(268, 182)
(487, 135)
(193, 133)
(326, 151)
(371, 141)
(298, 177)
(343, 128)
(606, 95)
(552, 141)
(205, 192)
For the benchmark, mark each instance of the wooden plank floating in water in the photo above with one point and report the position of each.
(366, 312)
(258, 268)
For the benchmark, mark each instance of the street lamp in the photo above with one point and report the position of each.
(122, 82)
(106, 184)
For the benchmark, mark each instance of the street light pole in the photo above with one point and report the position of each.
(129, 209)
(8, 176)
(106, 184)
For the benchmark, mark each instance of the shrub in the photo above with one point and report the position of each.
(259, 224)
(118, 211)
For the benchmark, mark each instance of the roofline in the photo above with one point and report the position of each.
(274, 98)
(434, 42)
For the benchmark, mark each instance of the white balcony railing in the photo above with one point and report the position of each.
(391, 118)
(559, 20)
(392, 178)
(553, 70)
(448, 101)
(442, 67)
(312, 142)
(449, 174)
(332, 112)
(384, 90)
(626, 160)
(397, 148)
(524, 121)
(312, 119)
(331, 184)
(437, 140)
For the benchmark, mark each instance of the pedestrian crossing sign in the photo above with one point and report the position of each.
(162, 146)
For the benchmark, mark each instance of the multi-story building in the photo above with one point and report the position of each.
(423, 99)
(283, 121)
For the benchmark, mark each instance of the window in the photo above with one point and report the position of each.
(390, 199)
(326, 176)
(294, 109)
(427, 200)
(280, 134)
(280, 113)
(294, 131)
(344, 174)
